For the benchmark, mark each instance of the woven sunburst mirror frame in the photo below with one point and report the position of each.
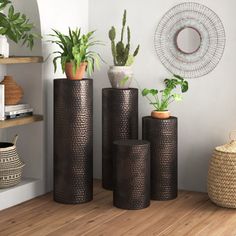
(212, 45)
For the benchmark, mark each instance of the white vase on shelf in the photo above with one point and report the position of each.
(4, 47)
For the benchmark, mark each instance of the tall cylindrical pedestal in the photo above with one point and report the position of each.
(119, 121)
(162, 134)
(131, 174)
(73, 141)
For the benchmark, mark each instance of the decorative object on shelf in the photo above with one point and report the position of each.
(121, 74)
(222, 174)
(190, 40)
(15, 26)
(119, 121)
(131, 174)
(73, 141)
(11, 166)
(76, 55)
(13, 92)
(162, 134)
(4, 47)
(162, 99)
(2, 102)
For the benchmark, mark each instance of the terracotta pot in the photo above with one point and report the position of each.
(13, 92)
(160, 114)
(79, 72)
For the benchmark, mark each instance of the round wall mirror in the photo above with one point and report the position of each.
(188, 40)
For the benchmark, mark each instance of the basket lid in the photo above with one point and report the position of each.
(229, 147)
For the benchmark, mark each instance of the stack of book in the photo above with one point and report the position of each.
(12, 111)
(17, 111)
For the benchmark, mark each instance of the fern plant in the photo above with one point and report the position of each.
(16, 26)
(75, 48)
(121, 52)
(160, 100)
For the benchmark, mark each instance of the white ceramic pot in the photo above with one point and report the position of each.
(120, 76)
(4, 46)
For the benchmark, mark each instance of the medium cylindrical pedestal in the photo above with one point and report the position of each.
(73, 141)
(119, 121)
(131, 174)
(162, 134)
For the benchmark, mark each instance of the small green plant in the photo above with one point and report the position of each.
(15, 25)
(121, 52)
(75, 48)
(162, 99)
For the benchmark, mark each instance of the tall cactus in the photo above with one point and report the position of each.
(120, 51)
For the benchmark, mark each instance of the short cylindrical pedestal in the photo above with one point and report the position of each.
(119, 121)
(131, 174)
(73, 141)
(162, 134)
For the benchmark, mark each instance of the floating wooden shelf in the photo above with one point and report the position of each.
(20, 121)
(21, 60)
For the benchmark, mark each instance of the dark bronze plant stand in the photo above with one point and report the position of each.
(131, 174)
(73, 141)
(119, 121)
(162, 134)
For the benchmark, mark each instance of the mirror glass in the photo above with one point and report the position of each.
(188, 40)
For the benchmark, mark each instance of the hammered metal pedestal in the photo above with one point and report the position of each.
(131, 174)
(73, 141)
(162, 134)
(119, 121)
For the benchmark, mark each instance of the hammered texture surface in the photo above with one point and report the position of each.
(162, 134)
(119, 121)
(73, 141)
(131, 174)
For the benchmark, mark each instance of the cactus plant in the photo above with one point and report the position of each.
(121, 52)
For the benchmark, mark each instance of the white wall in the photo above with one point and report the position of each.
(207, 114)
(56, 14)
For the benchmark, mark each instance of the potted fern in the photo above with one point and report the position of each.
(121, 74)
(75, 55)
(14, 26)
(161, 99)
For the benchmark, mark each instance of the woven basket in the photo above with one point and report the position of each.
(10, 165)
(222, 176)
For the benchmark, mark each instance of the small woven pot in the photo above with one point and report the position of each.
(11, 166)
(222, 175)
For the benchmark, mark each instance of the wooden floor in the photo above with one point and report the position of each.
(191, 214)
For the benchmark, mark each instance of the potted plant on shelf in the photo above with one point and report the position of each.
(121, 74)
(75, 54)
(161, 100)
(15, 26)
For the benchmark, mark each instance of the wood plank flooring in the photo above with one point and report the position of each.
(190, 214)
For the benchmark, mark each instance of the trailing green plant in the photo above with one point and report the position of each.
(163, 98)
(75, 48)
(16, 26)
(121, 52)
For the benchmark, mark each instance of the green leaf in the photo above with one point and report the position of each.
(145, 92)
(184, 87)
(179, 77)
(177, 97)
(153, 92)
(11, 11)
(130, 61)
(123, 81)
(136, 51)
